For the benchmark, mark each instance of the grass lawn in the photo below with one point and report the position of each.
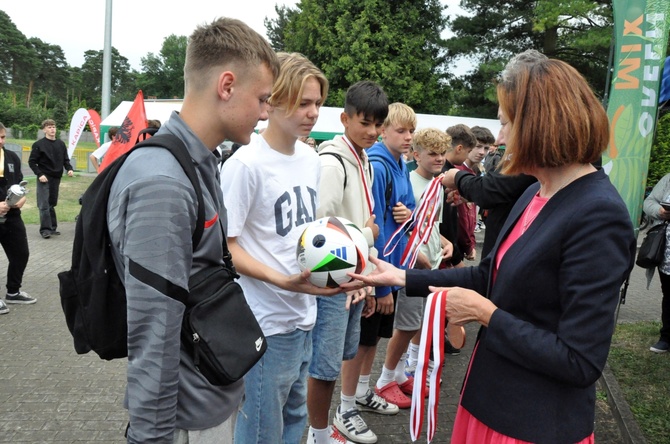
(68, 198)
(644, 378)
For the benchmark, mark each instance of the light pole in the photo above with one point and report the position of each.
(107, 61)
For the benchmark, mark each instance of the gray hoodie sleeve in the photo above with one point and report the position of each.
(150, 221)
(652, 204)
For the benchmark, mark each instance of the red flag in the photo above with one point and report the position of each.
(94, 125)
(126, 137)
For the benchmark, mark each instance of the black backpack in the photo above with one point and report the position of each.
(92, 294)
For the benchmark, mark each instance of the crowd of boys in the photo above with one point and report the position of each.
(261, 200)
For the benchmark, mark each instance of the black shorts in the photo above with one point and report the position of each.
(377, 326)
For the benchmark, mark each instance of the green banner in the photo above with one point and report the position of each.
(641, 36)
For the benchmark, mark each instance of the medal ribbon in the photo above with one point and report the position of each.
(422, 221)
(366, 186)
(432, 333)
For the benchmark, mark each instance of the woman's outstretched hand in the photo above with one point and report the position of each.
(384, 274)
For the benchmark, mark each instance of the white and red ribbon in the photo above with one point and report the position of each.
(366, 186)
(421, 222)
(432, 333)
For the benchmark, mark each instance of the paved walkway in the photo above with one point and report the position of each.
(49, 394)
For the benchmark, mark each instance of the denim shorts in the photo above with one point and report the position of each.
(275, 392)
(408, 311)
(335, 336)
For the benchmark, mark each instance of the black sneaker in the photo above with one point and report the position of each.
(660, 347)
(55, 233)
(45, 234)
(20, 298)
(450, 349)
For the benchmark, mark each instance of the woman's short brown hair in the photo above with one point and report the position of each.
(555, 116)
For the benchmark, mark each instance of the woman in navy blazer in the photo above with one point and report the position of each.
(547, 293)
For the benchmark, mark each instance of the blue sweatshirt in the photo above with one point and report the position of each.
(379, 156)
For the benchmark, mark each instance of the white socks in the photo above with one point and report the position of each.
(347, 402)
(413, 351)
(321, 436)
(386, 377)
(363, 386)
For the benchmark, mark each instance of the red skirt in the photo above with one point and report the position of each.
(469, 430)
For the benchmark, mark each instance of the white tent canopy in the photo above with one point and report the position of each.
(326, 127)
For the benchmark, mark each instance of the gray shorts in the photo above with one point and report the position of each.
(408, 311)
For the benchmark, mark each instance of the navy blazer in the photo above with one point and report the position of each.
(533, 374)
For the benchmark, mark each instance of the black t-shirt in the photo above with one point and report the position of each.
(449, 225)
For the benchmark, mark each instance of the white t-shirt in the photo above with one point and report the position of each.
(270, 198)
(433, 249)
(102, 150)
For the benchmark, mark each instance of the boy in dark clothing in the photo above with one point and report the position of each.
(47, 160)
(462, 142)
(494, 191)
(12, 230)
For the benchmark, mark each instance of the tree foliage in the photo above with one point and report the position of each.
(578, 32)
(122, 82)
(163, 74)
(397, 44)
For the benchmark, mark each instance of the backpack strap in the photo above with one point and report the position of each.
(176, 146)
(388, 192)
(339, 158)
(146, 133)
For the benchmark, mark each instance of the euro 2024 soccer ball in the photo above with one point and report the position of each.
(330, 248)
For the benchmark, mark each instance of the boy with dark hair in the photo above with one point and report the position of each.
(486, 138)
(467, 210)
(346, 191)
(462, 142)
(394, 202)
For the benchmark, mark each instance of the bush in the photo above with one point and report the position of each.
(659, 161)
(25, 131)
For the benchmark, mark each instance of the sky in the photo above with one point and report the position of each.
(138, 26)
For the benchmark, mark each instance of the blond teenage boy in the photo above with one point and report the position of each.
(428, 150)
(270, 189)
(346, 184)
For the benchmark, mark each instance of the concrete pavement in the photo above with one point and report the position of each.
(49, 394)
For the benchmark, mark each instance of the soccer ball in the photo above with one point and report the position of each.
(330, 248)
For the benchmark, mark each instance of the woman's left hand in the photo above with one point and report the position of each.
(465, 306)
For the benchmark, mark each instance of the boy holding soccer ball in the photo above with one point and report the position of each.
(270, 192)
(345, 191)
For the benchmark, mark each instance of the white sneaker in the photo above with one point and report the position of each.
(335, 437)
(352, 425)
(372, 402)
(3, 307)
